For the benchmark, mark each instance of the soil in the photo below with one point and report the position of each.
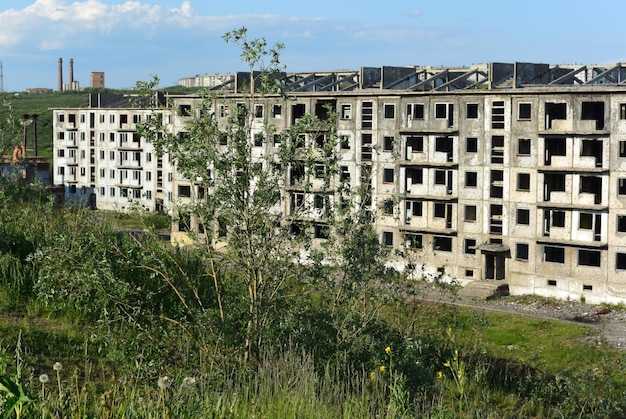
(610, 321)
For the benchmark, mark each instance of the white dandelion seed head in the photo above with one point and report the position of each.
(163, 382)
(43, 378)
(57, 366)
(189, 381)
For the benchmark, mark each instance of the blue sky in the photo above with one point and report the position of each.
(130, 40)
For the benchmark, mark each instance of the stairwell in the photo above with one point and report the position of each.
(484, 289)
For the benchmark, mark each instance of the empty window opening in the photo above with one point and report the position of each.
(497, 115)
(555, 111)
(346, 111)
(587, 287)
(413, 209)
(277, 111)
(344, 175)
(258, 111)
(412, 241)
(367, 112)
(388, 176)
(345, 142)
(524, 111)
(389, 110)
(523, 181)
(469, 246)
(324, 108)
(551, 282)
(440, 177)
(585, 221)
(521, 251)
(297, 173)
(621, 186)
(387, 238)
(366, 146)
(415, 111)
(470, 213)
(387, 207)
(297, 111)
(445, 145)
(554, 254)
(593, 148)
(495, 219)
(184, 191)
(593, 111)
(414, 176)
(620, 261)
(321, 231)
(621, 223)
(469, 273)
(471, 144)
(471, 179)
(442, 243)
(388, 143)
(497, 149)
(622, 148)
(414, 145)
(496, 189)
(445, 111)
(589, 257)
(439, 210)
(472, 111)
(523, 146)
(523, 216)
(553, 182)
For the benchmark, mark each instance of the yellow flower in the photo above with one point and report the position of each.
(439, 375)
(382, 368)
(373, 375)
(388, 350)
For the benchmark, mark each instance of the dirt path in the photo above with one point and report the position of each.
(611, 323)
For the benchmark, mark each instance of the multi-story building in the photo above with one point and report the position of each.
(509, 172)
(103, 162)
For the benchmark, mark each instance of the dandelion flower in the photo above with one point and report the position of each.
(163, 382)
(43, 378)
(372, 375)
(382, 368)
(440, 375)
(57, 366)
(388, 350)
(189, 381)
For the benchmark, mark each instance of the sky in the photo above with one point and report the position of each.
(132, 40)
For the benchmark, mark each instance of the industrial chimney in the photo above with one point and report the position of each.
(60, 74)
(71, 84)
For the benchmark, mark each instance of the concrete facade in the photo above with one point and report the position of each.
(505, 172)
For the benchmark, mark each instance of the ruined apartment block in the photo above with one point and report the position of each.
(512, 173)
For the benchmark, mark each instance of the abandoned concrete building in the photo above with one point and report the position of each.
(505, 172)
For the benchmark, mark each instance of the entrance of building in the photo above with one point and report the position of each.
(495, 255)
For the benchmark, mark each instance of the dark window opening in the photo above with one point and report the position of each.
(388, 207)
(442, 243)
(524, 111)
(523, 216)
(620, 261)
(367, 113)
(470, 213)
(496, 188)
(413, 209)
(471, 179)
(523, 181)
(414, 176)
(258, 111)
(445, 145)
(497, 149)
(555, 111)
(589, 257)
(593, 111)
(366, 146)
(621, 223)
(389, 110)
(592, 148)
(184, 191)
(414, 145)
(277, 111)
(183, 110)
(497, 115)
(297, 111)
(472, 110)
(554, 254)
(345, 142)
(346, 111)
(387, 238)
(388, 143)
(413, 241)
(324, 108)
(523, 147)
(587, 287)
(321, 231)
(440, 177)
(495, 219)
(552, 282)
(440, 210)
(388, 176)
(471, 144)
(553, 182)
(621, 186)
(521, 251)
(415, 110)
(469, 246)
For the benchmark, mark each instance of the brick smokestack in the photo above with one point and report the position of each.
(71, 74)
(60, 74)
